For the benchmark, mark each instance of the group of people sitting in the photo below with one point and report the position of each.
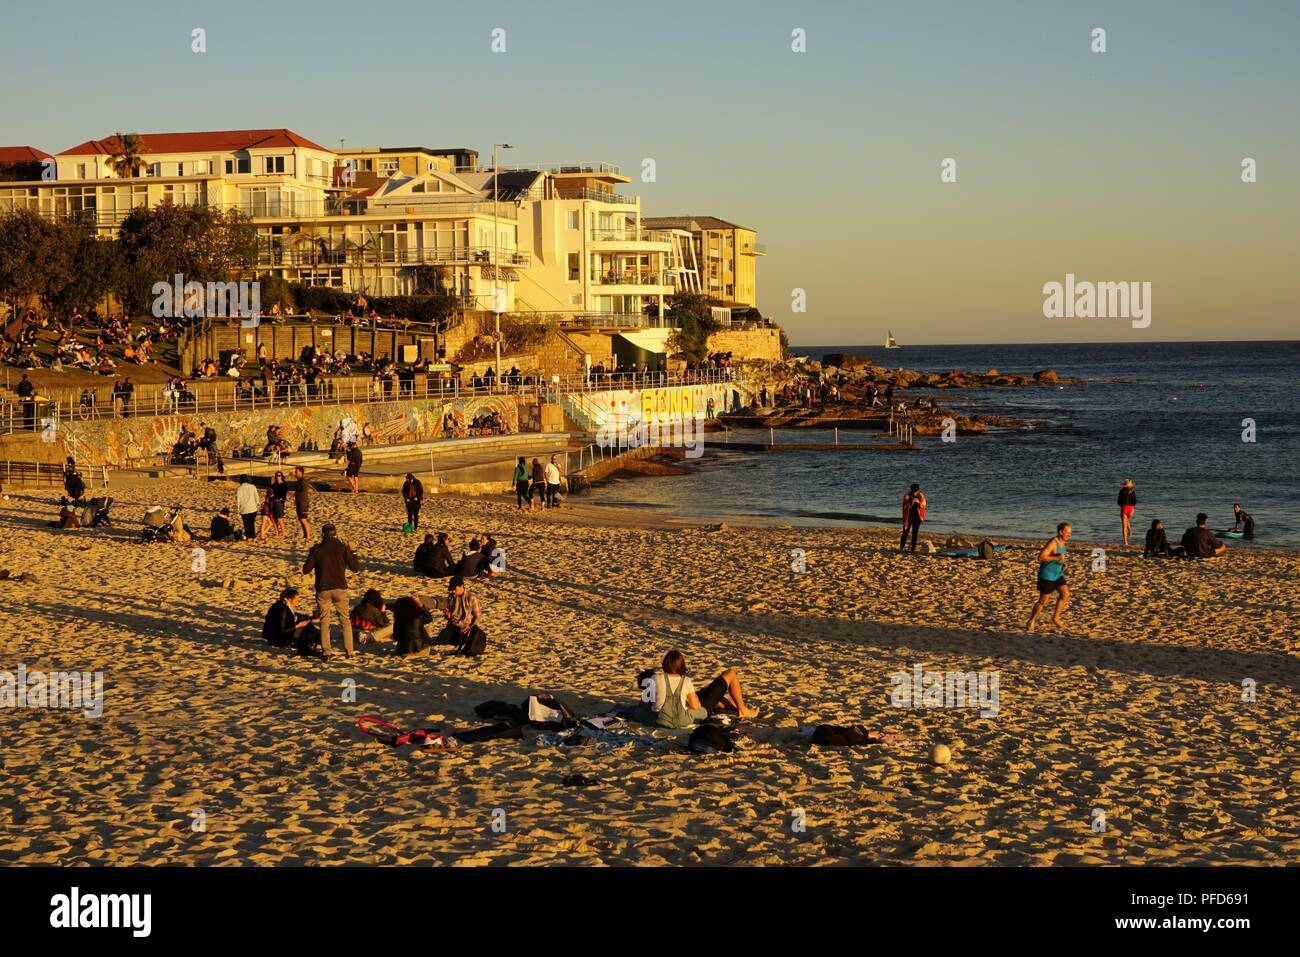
(406, 622)
(481, 557)
(1198, 541)
(75, 509)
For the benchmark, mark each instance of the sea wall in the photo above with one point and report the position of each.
(120, 443)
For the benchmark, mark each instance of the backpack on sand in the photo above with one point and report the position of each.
(711, 738)
(473, 644)
(986, 549)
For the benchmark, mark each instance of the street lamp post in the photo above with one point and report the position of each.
(496, 257)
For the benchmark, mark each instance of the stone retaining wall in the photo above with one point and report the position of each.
(123, 443)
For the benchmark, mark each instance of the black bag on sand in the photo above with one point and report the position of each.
(834, 736)
(711, 738)
(986, 549)
(473, 644)
(309, 640)
(500, 710)
(491, 732)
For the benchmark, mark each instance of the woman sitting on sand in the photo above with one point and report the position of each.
(1157, 545)
(675, 702)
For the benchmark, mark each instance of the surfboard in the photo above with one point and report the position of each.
(1228, 533)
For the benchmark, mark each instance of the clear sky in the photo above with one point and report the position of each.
(1115, 166)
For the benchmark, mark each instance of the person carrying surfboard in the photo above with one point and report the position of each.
(1051, 577)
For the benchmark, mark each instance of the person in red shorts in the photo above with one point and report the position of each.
(1128, 499)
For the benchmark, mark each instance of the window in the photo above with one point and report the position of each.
(575, 299)
(575, 219)
(275, 164)
(81, 171)
(575, 268)
(155, 169)
(240, 164)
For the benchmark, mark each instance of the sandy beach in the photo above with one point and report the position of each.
(1132, 715)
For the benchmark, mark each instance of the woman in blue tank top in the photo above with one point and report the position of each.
(1051, 577)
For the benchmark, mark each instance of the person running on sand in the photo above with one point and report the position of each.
(676, 699)
(1051, 577)
(1127, 500)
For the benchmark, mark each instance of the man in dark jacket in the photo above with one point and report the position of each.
(222, 529)
(283, 626)
(75, 486)
(26, 391)
(409, 619)
(331, 560)
(413, 495)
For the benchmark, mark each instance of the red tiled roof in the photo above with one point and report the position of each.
(225, 141)
(22, 154)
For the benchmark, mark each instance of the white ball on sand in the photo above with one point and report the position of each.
(939, 754)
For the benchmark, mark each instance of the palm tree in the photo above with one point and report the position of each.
(370, 245)
(308, 235)
(126, 158)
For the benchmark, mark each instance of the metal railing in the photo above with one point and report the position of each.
(226, 396)
(284, 208)
(628, 235)
(611, 320)
(599, 195)
(306, 258)
(632, 279)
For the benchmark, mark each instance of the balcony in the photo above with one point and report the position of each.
(593, 168)
(611, 320)
(631, 279)
(307, 258)
(599, 195)
(628, 237)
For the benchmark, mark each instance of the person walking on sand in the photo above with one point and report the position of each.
(413, 495)
(1051, 577)
(352, 470)
(521, 484)
(913, 515)
(537, 490)
(248, 506)
(331, 560)
(302, 500)
(552, 474)
(1127, 500)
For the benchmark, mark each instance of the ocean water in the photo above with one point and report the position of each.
(1168, 415)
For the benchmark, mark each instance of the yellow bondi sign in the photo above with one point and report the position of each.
(668, 405)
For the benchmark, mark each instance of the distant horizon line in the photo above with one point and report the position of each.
(1096, 342)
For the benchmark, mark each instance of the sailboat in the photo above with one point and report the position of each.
(890, 342)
